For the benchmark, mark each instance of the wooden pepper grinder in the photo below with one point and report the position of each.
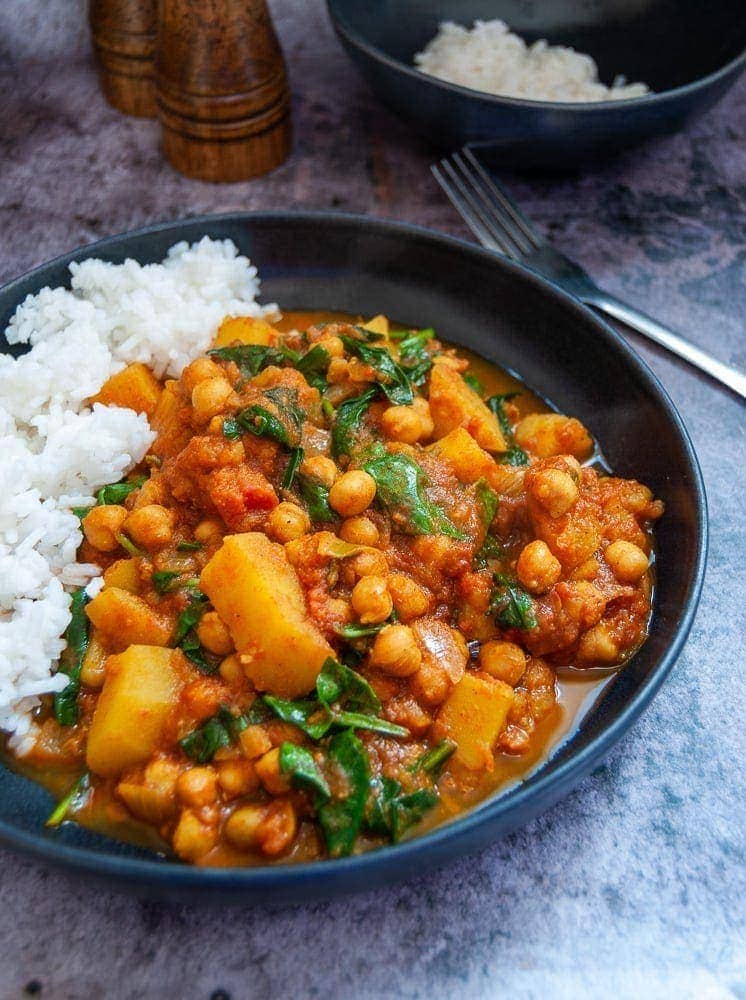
(123, 34)
(223, 96)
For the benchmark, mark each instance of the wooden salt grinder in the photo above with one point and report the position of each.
(223, 96)
(123, 34)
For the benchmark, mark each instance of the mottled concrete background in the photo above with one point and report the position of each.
(633, 886)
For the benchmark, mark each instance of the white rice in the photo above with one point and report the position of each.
(55, 451)
(490, 58)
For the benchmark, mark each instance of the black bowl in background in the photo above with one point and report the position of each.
(688, 51)
(510, 316)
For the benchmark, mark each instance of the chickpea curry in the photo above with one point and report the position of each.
(337, 596)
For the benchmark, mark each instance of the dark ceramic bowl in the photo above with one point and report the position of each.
(518, 320)
(688, 51)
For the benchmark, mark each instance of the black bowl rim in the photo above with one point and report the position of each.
(355, 39)
(320, 875)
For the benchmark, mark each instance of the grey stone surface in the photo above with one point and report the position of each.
(632, 886)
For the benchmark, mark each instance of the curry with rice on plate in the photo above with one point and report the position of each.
(342, 597)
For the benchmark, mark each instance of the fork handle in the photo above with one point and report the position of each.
(653, 330)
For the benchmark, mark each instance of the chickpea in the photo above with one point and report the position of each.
(151, 526)
(597, 645)
(197, 787)
(371, 600)
(537, 569)
(209, 398)
(628, 562)
(230, 669)
(504, 660)
(198, 371)
(402, 423)
(287, 522)
(102, 524)
(555, 490)
(279, 828)
(214, 635)
(370, 563)
(332, 345)
(269, 773)
(321, 468)
(352, 493)
(359, 531)
(162, 774)
(237, 777)
(396, 652)
(410, 599)
(243, 826)
(192, 838)
(208, 532)
(254, 742)
(422, 409)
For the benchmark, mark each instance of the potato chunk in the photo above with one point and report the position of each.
(473, 717)
(548, 434)
(462, 454)
(453, 404)
(125, 618)
(141, 690)
(245, 330)
(135, 387)
(256, 592)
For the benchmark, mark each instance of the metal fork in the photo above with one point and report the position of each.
(500, 226)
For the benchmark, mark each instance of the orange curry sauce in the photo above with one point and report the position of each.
(573, 541)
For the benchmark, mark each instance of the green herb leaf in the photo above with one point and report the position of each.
(342, 816)
(511, 606)
(315, 495)
(71, 802)
(489, 500)
(128, 545)
(313, 367)
(473, 382)
(514, 455)
(117, 493)
(76, 637)
(189, 546)
(391, 377)
(296, 457)
(414, 358)
(304, 773)
(400, 489)
(252, 358)
(163, 580)
(220, 730)
(347, 422)
(231, 429)
(190, 616)
(432, 760)
(80, 512)
(352, 631)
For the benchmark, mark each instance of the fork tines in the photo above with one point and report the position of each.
(485, 207)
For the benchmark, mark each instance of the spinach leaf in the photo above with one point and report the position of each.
(433, 759)
(231, 429)
(310, 716)
(353, 631)
(313, 367)
(76, 636)
(117, 493)
(315, 495)
(336, 682)
(80, 512)
(128, 545)
(489, 500)
(186, 638)
(347, 421)
(304, 773)
(284, 423)
(341, 817)
(491, 548)
(391, 377)
(189, 546)
(414, 358)
(473, 382)
(400, 489)
(220, 730)
(514, 455)
(164, 580)
(391, 813)
(71, 802)
(511, 606)
(252, 358)
(359, 720)
(296, 457)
